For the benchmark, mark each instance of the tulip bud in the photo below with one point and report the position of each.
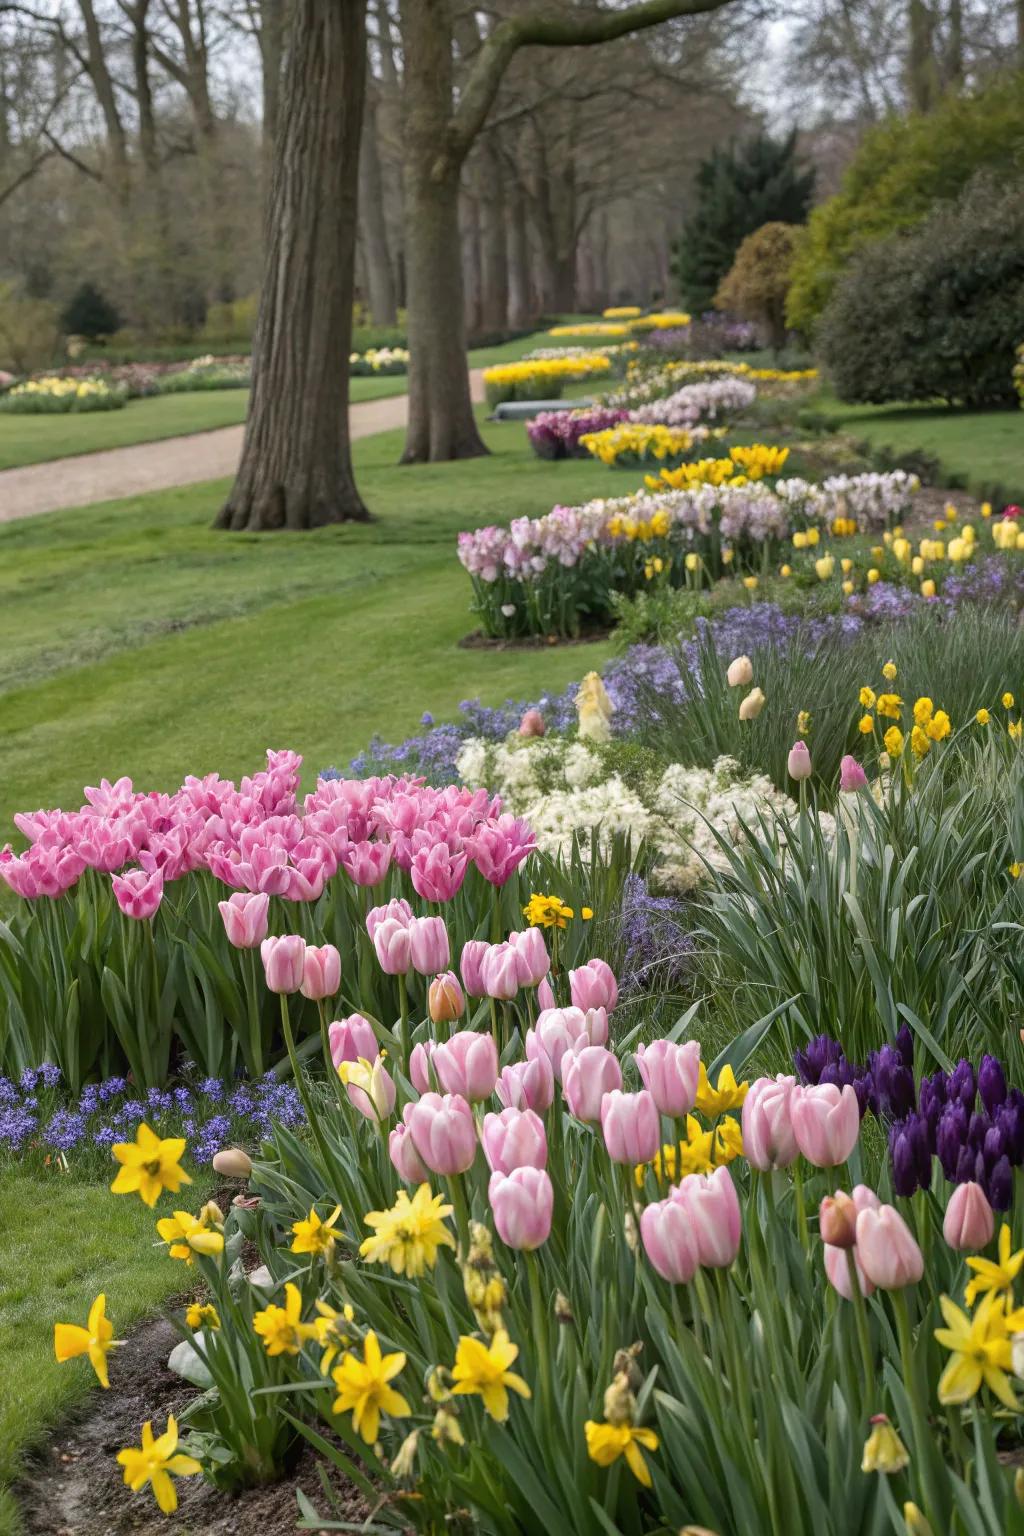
(752, 705)
(406, 1160)
(593, 986)
(233, 1163)
(915, 1521)
(712, 1205)
(467, 1064)
(851, 775)
(470, 964)
(886, 1249)
(283, 962)
(826, 1123)
(321, 972)
(245, 918)
(428, 945)
(514, 1139)
(837, 1220)
(798, 763)
(740, 672)
(445, 1001)
(351, 1038)
(768, 1139)
(671, 1072)
(969, 1221)
(630, 1126)
(522, 1203)
(443, 1132)
(587, 1075)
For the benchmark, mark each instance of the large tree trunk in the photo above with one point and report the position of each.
(441, 420)
(372, 224)
(469, 234)
(296, 469)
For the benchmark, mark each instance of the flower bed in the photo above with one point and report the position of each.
(205, 373)
(57, 396)
(557, 434)
(705, 402)
(379, 360)
(541, 379)
(631, 443)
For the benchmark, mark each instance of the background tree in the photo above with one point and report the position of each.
(756, 284)
(738, 189)
(90, 314)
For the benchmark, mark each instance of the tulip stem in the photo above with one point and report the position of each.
(312, 1119)
(252, 1008)
(861, 1318)
(457, 1192)
(801, 1212)
(922, 1442)
(541, 1341)
(403, 1018)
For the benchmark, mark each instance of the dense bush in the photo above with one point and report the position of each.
(901, 170)
(29, 331)
(89, 313)
(758, 280)
(934, 313)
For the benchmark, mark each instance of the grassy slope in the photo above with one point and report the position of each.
(105, 1244)
(209, 648)
(983, 450)
(37, 439)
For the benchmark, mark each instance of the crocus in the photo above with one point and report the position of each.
(826, 1122)
(138, 894)
(370, 1087)
(321, 972)
(740, 672)
(470, 964)
(851, 775)
(555, 1032)
(283, 960)
(671, 1072)
(670, 1241)
(445, 1002)
(522, 1202)
(467, 1064)
(752, 705)
(514, 1139)
(499, 971)
(527, 1084)
(428, 945)
(711, 1203)
(351, 1038)
(587, 1075)
(886, 1249)
(443, 1132)
(593, 986)
(969, 1221)
(531, 956)
(406, 1160)
(798, 763)
(768, 1138)
(245, 918)
(393, 946)
(630, 1127)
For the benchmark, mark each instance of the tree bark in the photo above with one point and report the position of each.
(520, 299)
(493, 254)
(296, 469)
(469, 234)
(372, 224)
(922, 82)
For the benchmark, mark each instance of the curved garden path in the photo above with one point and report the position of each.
(160, 466)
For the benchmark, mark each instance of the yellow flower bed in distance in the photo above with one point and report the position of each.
(669, 319)
(590, 328)
(542, 377)
(635, 440)
(622, 312)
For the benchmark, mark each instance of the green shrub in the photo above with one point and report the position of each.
(901, 170)
(89, 313)
(934, 313)
(231, 322)
(756, 284)
(29, 331)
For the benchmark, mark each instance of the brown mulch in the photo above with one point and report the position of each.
(74, 1486)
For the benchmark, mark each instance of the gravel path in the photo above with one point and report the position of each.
(114, 472)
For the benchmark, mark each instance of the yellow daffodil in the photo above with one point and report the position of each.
(728, 1141)
(888, 705)
(893, 739)
(750, 582)
(96, 1339)
(1008, 701)
(983, 717)
(923, 710)
(981, 1349)
(315, 1236)
(994, 1275)
(889, 671)
(408, 1235)
(1016, 870)
(281, 1328)
(1014, 729)
(484, 1369)
(199, 1316)
(866, 724)
(728, 1095)
(874, 574)
(156, 1462)
(884, 1451)
(364, 1390)
(939, 726)
(607, 1442)
(149, 1165)
(813, 537)
(919, 742)
(547, 912)
(331, 1333)
(186, 1235)
(785, 570)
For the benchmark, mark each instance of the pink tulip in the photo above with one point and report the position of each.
(245, 918)
(365, 862)
(527, 1085)
(522, 1202)
(428, 945)
(370, 1087)
(836, 1267)
(352, 1038)
(886, 1249)
(711, 1202)
(531, 956)
(545, 996)
(630, 1127)
(532, 723)
(670, 1241)
(593, 986)
(471, 964)
(437, 873)
(798, 763)
(321, 972)
(393, 945)
(499, 971)
(514, 1139)
(838, 1272)
(138, 894)
(768, 1138)
(497, 848)
(397, 910)
(406, 1160)
(445, 1002)
(837, 1220)
(283, 962)
(826, 1123)
(419, 1066)
(587, 1075)
(443, 1132)
(467, 1064)
(671, 1072)
(851, 775)
(595, 1025)
(969, 1222)
(556, 1031)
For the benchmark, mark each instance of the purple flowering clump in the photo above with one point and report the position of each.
(556, 434)
(16, 1125)
(656, 948)
(65, 1130)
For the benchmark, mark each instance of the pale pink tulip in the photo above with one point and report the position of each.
(670, 1241)
(630, 1126)
(593, 986)
(886, 1249)
(522, 1203)
(826, 1122)
(283, 962)
(768, 1138)
(321, 972)
(671, 1072)
(443, 1132)
(587, 1075)
(352, 1038)
(527, 1085)
(514, 1139)
(428, 945)
(245, 918)
(467, 1064)
(969, 1223)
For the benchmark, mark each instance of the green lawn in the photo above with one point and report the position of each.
(175, 649)
(38, 439)
(53, 1266)
(981, 450)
